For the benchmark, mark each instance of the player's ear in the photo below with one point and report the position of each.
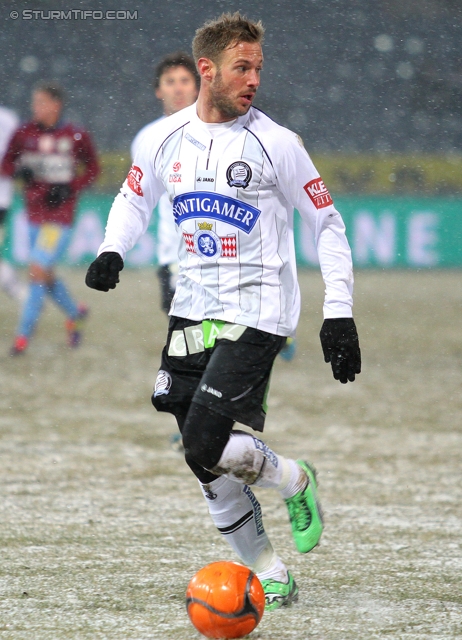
(206, 68)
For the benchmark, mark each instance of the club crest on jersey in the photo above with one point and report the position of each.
(134, 180)
(207, 244)
(239, 174)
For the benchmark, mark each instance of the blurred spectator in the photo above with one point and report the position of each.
(55, 160)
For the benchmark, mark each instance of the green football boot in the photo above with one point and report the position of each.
(305, 513)
(279, 594)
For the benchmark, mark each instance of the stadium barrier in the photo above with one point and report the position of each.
(384, 232)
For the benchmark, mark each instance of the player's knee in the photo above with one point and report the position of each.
(202, 452)
(205, 435)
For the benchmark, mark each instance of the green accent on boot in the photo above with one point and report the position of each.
(279, 594)
(305, 513)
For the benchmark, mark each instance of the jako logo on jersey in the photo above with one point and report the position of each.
(205, 204)
(318, 193)
(239, 174)
(176, 166)
(195, 142)
(163, 383)
(134, 179)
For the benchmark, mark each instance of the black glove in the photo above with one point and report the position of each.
(57, 194)
(340, 344)
(26, 174)
(103, 273)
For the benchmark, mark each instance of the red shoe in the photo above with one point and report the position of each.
(74, 327)
(20, 345)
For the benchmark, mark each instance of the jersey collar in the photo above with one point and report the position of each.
(241, 121)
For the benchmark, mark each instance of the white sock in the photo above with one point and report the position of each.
(248, 460)
(276, 570)
(294, 481)
(236, 513)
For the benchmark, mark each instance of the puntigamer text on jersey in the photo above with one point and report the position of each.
(205, 204)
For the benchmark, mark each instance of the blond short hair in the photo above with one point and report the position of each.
(229, 29)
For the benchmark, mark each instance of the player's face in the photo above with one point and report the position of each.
(45, 109)
(177, 89)
(237, 79)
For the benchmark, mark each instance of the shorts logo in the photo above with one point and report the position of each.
(163, 383)
(206, 389)
(134, 180)
(318, 193)
(239, 174)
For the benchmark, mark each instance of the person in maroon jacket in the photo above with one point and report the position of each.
(55, 160)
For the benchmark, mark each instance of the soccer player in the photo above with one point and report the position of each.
(176, 85)
(55, 161)
(9, 282)
(235, 177)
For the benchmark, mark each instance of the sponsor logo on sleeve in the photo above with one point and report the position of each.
(134, 180)
(318, 194)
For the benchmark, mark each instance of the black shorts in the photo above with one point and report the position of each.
(222, 366)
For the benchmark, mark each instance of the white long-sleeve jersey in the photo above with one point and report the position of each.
(233, 190)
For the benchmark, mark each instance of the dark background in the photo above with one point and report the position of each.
(348, 75)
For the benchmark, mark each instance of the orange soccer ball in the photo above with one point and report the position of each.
(225, 600)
